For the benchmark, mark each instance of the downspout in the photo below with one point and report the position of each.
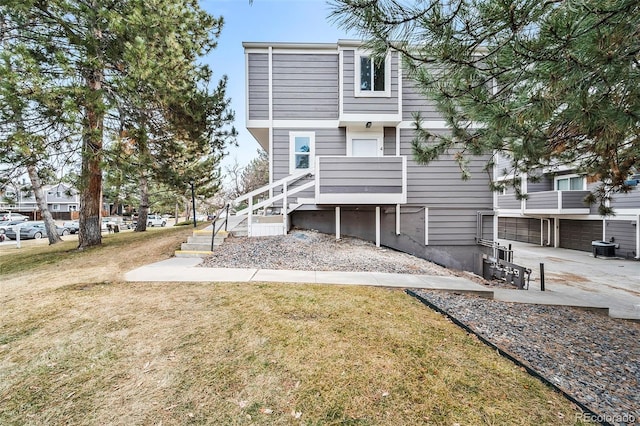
(638, 237)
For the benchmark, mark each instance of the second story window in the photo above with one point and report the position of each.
(372, 76)
(570, 183)
(301, 147)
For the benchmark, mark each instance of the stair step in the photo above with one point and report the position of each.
(204, 239)
(197, 246)
(191, 253)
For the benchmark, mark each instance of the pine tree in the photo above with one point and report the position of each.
(543, 82)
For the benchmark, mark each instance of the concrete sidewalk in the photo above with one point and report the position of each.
(187, 270)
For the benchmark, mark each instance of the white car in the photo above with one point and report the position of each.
(156, 220)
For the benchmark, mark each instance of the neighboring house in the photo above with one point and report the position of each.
(553, 212)
(338, 128)
(62, 201)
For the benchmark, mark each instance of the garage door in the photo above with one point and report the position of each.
(521, 229)
(578, 234)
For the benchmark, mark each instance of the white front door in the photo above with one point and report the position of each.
(364, 148)
(365, 143)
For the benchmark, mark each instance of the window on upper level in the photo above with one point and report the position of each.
(570, 183)
(301, 147)
(372, 76)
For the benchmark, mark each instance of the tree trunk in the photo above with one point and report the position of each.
(90, 228)
(49, 224)
(143, 211)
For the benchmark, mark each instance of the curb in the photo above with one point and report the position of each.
(507, 355)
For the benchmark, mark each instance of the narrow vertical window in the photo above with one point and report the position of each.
(301, 145)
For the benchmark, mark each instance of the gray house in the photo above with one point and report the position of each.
(62, 200)
(554, 213)
(338, 127)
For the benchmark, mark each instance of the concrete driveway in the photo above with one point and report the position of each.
(614, 283)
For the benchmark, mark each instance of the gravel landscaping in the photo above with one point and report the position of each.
(593, 358)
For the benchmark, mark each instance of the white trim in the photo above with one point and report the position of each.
(358, 198)
(259, 45)
(292, 153)
(556, 236)
(271, 86)
(303, 51)
(305, 124)
(604, 229)
(377, 226)
(293, 124)
(426, 226)
(427, 124)
(399, 83)
(397, 219)
(405, 179)
(557, 212)
(638, 236)
(387, 120)
(340, 84)
(359, 93)
(270, 161)
(337, 222)
(376, 133)
(246, 88)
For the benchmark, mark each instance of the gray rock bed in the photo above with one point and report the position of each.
(593, 358)
(314, 251)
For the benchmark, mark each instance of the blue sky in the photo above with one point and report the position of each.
(264, 21)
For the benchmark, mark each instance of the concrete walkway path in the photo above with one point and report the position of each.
(188, 270)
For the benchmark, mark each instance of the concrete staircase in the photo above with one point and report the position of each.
(241, 229)
(199, 245)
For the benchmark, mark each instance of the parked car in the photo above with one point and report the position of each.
(156, 220)
(5, 216)
(72, 225)
(7, 224)
(33, 230)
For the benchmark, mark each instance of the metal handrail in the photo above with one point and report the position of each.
(225, 223)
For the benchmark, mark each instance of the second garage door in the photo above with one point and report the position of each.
(578, 234)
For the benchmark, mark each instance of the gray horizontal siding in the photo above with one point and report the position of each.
(414, 101)
(544, 183)
(328, 142)
(503, 165)
(363, 174)
(389, 141)
(440, 182)
(574, 199)
(452, 226)
(305, 86)
(508, 201)
(630, 200)
(258, 96)
(375, 105)
(624, 233)
(542, 200)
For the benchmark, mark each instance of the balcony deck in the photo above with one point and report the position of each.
(361, 180)
(547, 202)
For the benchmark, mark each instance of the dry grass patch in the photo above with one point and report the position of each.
(97, 351)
